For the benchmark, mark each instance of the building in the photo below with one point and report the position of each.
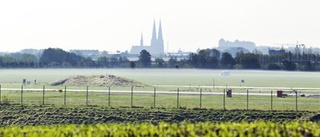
(224, 45)
(275, 52)
(156, 48)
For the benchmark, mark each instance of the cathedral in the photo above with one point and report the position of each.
(156, 48)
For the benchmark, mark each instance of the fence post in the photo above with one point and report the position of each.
(154, 97)
(87, 94)
(247, 99)
(21, 95)
(0, 95)
(109, 97)
(296, 99)
(224, 99)
(65, 95)
(271, 101)
(200, 98)
(177, 98)
(131, 96)
(43, 89)
(213, 85)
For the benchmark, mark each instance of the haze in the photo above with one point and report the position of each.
(187, 25)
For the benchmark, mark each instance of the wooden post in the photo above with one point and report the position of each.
(0, 95)
(178, 98)
(224, 99)
(109, 97)
(247, 99)
(200, 98)
(271, 101)
(87, 94)
(21, 95)
(65, 95)
(296, 99)
(43, 89)
(154, 97)
(131, 96)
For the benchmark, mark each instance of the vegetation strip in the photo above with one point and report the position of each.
(48, 115)
(231, 129)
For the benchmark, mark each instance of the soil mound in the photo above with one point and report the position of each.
(97, 80)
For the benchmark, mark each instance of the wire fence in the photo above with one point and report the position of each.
(151, 98)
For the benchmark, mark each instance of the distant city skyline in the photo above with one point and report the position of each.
(189, 25)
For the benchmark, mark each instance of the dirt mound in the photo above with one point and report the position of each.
(97, 80)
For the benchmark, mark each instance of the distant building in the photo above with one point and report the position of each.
(85, 53)
(224, 45)
(277, 52)
(234, 50)
(156, 48)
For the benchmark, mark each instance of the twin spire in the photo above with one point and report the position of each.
(154, 33)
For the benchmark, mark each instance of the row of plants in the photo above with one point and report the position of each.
(230, 129)
(52, 115)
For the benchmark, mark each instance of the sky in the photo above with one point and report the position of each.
(186, 24)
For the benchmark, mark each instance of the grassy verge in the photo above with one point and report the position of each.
(117, 99)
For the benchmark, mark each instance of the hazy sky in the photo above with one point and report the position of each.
(187, 24)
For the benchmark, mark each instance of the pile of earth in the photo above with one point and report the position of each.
(97, 80)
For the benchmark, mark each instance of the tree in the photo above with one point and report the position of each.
(132, 64)
(160, 63)
(54, 57)
(208, 58)
(289, 65)
(227, 61)
(172, 62)
(308, 66)
(145, 59)
(193, 60)
(247, 60)
(273, 66)
(103, 62)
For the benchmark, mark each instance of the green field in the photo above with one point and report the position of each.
(184, 77)
(187, 80)
(161, 100)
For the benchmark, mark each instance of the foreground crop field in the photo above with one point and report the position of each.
(52, 115)
(230, 129)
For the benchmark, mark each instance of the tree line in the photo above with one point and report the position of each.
(203, 59)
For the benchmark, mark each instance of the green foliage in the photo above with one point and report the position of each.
(248, 60)
(230, 129)
(53, 57)
(289, 65)
(48, 115)
(227, 61)
(273, 66)
(132, 65)
(145, 59)
(206, 58)
(159, 62)
(18, 60)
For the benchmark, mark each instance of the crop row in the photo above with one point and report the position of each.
(48, 115)
(260, 128)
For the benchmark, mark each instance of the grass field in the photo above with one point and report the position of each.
(148, 100)
(191, 80)
(185, 77)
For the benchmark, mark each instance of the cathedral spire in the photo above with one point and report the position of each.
(160, 31)
(154, 31)
(141, 40)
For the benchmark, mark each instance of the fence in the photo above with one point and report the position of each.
(151, 98)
